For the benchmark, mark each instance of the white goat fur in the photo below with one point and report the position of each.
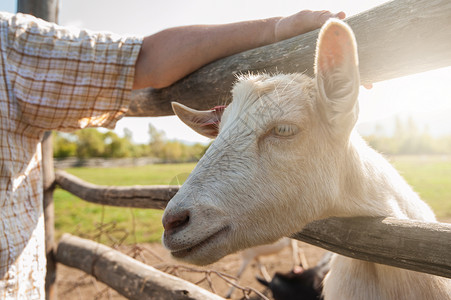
(286, 155)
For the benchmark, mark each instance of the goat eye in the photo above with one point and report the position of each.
(285, 130)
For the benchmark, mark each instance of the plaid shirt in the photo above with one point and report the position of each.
(51, 77)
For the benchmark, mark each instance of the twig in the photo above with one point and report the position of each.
(207, 273)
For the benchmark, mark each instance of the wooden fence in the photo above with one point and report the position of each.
(413, 245)
(395, 39)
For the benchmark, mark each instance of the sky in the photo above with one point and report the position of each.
(426, 97)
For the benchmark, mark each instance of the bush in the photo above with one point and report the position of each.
(90, 143)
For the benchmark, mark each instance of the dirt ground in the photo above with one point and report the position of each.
(74, 284)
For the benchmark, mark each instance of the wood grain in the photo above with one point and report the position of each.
(395, 39)
(129, 277)
(139, 196)
(408, 244)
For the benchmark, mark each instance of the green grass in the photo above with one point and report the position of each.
(430, 176)
(134, 225)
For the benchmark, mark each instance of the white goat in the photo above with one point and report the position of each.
(286, 155)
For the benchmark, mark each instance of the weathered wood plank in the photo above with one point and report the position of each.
(44, 9)
(128, 196)
(48, 175)
(395, 39)
(129, 277)
(418, 246)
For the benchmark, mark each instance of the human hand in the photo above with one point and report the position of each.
(302, 22)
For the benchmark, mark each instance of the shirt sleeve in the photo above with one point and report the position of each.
(65, 78)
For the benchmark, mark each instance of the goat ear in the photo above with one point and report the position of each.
(337, 75)
(204, 122)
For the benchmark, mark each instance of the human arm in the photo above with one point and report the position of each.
(171, 54)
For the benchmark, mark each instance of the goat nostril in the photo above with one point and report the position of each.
(176, 221)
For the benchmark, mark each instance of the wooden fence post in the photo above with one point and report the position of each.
(49, 215)
(46, 10)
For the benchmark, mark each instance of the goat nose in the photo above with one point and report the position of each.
(174, 221)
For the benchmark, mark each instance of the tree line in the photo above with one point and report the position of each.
(91, 143)
(407, 138)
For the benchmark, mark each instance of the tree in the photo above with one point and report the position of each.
(157, 141)
(173, 151)
(90, 143)
(64, 145)
(117, 147)
(409, 139)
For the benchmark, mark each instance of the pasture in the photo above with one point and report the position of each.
(429, 175)
(78, 217)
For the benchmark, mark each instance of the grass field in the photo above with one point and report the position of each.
(134, 225)
(429, 175)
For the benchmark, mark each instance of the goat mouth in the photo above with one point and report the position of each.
(187, 251)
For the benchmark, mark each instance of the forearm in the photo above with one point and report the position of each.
(171, 54)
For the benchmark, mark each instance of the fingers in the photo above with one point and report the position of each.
(302, 22)
(320, 17)
(341, 15)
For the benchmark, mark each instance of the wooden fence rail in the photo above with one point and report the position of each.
(138, 196)
(126, 275)
(408, 244)
(413, 245)
(395, 39)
